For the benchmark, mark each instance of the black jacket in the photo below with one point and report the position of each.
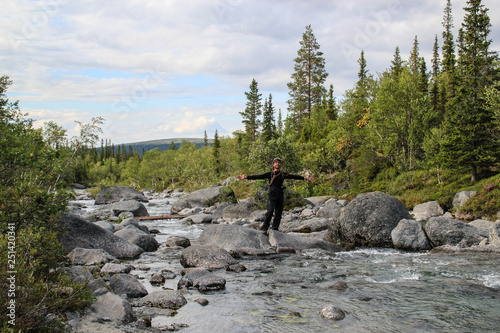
(276, 179)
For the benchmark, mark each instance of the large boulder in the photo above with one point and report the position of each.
(447, 231)
(80, 233)
(410, 235)
(314, 224)
(113, 194)
(126, 284)
(132, 206)
(165, 299)
(232, 237)
(367, 221)
(207, 256)
(426, 210)
(492, 227)
(139, 238)
(205, 197)
(112, 306)
(331, 209)
(282, 240)
(242, 209)
(88, 257)
(461, 198)
(202, 279)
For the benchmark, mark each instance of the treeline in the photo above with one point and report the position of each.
(412, 116)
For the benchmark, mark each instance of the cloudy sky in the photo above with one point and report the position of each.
(157, 69)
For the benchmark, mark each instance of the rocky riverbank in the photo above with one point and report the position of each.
(107, 246)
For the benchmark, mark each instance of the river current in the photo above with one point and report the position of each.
(387, 290)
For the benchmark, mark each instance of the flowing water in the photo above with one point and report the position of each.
(387, 290)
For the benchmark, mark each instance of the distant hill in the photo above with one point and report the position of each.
(163, 144)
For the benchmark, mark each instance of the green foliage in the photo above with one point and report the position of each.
(306, 87)
(252, 111)
(486, 203)
(29, 169)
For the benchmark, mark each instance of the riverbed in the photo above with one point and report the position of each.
(387, 290)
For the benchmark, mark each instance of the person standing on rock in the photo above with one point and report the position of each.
(275, 197)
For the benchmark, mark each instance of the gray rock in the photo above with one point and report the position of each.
(77, 273)
(281, 240)
(112, 194)
(447, 231)
(201, 279)
(317, 201)
(173, 241)
(156, 279)
(492, 227)
(205, 197)
(242, 209)
(232, 237)
(410, 235)
(132, 206)
(332, 313)
(367, 220)
(113, 307)
(331, 209)
(200, 219)
(207, 256)
(139, 238)
(258, 216)
(80, 233)
(105, 225)
(461, 198)
(126, 284)
(81, 256)
(305, 226)
(165, 299)
(111, 268)
(427, 210)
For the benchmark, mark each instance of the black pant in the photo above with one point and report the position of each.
(274, 204)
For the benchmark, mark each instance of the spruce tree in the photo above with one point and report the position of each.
(268, 122)
(252, 111)
(216, 154)
(396, 65)
(468, 141)
(306, 88)
(436, 101)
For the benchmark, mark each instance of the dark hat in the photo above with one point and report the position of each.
(277, 159)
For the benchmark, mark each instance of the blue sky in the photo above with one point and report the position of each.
(158, 69)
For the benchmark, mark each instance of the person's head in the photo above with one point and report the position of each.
(277, 163)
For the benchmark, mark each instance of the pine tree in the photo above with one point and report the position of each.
(448, 76)
(280, 123)
(414, 60)
(396, 65)
(436, 103)
(468, 141)
(172, 146)
(306, 87)
(363, 72)
(205, 139)
(268, 122)
(331, 105)
(252, 111)
(216, 153)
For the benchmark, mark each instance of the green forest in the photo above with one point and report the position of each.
(419, 131)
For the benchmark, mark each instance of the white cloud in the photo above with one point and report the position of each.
(203, 54)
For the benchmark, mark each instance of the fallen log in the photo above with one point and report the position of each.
(162, 217)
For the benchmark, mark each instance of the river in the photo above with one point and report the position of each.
(387, 290)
